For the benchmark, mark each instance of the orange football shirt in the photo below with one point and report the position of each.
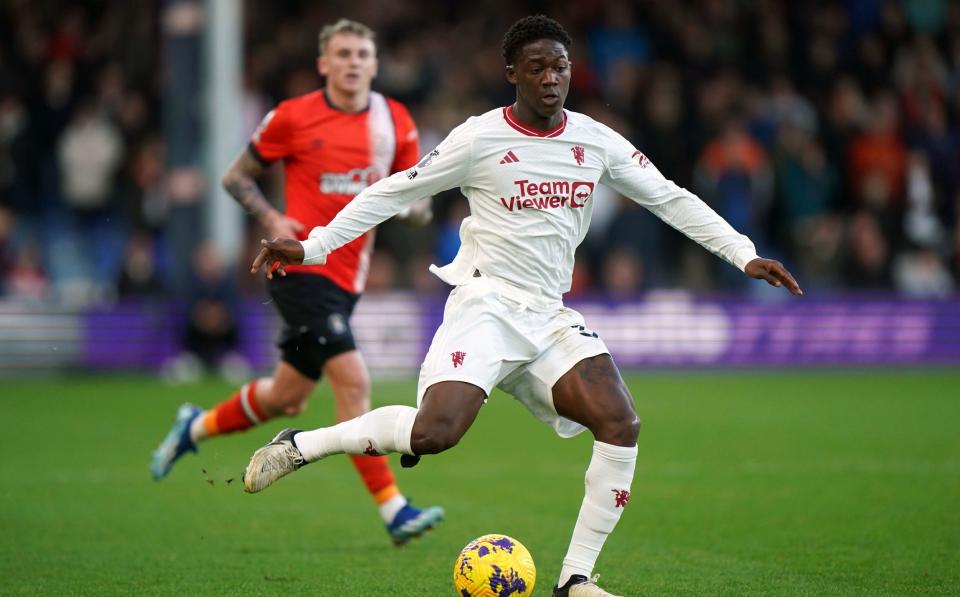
(329, 156)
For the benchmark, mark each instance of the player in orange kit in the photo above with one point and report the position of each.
(333, 143)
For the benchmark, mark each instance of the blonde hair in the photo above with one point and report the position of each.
(344, 26)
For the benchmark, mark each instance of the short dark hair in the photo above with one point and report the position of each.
(530, 29)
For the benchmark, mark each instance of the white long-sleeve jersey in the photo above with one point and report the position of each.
(530, 200)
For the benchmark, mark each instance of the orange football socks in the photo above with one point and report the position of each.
(236, 413)
(377, 476)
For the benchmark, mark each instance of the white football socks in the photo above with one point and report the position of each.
(198, 428)
(388, 509)
(607, 483)
(381, 431)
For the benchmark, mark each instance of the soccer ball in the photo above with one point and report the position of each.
(494, 565)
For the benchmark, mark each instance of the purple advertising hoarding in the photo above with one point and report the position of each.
(675, 329)
(662, 329)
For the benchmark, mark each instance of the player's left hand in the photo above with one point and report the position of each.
(418, 214)
(277, 253)
(283, 226)
(774, 273)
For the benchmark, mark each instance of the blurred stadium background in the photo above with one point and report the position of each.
(828, 131)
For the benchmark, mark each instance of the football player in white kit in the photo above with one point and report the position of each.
(529, 171)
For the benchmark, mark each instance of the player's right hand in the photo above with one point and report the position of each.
(277, 253)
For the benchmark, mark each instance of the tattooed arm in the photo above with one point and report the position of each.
(240, 181)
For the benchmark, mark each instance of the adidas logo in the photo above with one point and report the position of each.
(510, 158)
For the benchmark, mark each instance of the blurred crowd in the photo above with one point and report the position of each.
(828, 131)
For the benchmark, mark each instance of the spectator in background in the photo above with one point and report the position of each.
(211, 332)
(663, 133)
(783, 107)
(617, 41)
(820, 250)
(34, 125)
(925, 16)
(920, 75)
(920, 223)
(939, 146)
(868, 253)
(622, 273)
(873, 62)
(807, 183)
(26, 278)
(7, 220)
(806, 180)
(877, 158)
(846, 113)
(90, 153)
(147, 197)
(920, 273)
(773, 38)
(734, 177)
(631, 233)
(719, 107)
(806, 189)
(403, 73)
(13, 122)
(139, 277)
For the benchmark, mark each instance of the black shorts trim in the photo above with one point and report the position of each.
(316, 320)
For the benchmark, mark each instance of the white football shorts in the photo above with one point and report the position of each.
(491, 338)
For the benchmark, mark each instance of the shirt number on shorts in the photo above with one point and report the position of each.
(585, 332)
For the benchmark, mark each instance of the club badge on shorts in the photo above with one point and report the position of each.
(337, 324)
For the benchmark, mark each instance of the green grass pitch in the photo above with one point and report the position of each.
(775, 483)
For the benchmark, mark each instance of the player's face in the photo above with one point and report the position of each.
(542, 76)
(349, 62)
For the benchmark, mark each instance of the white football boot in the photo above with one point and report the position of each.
(277, 459)
(581, 586)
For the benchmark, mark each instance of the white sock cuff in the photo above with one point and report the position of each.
(198, 428)
(617, 453)
(384, 430)
(245, 397)
(388, 509)
(406, 416)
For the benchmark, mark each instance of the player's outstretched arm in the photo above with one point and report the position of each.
(445, 167)
(774, 273)
(275, 254)
(633, 175)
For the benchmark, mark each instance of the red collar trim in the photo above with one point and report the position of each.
(532, 132)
